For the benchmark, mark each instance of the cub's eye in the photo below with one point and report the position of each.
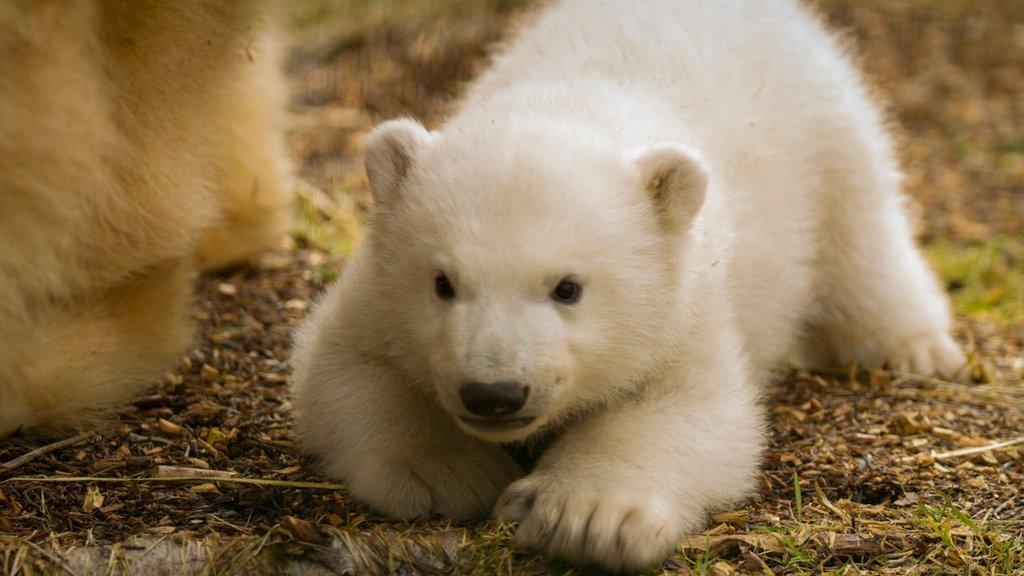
(567, 292)
(443, 287)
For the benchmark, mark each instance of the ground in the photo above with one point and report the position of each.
(867, 473)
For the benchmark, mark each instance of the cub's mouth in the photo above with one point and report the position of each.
(497, 425)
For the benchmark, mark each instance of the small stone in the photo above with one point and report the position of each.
(296, 304)
(209, 373)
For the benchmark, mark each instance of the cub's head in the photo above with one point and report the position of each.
(528, 276)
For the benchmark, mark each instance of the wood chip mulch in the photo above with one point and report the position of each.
(869, 473)
(869, 453)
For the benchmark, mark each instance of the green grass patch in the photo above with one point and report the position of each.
(970, 547)
(986, 281)
(332, 224)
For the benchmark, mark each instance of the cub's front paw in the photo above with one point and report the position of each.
(930, 354)
(610, 529)
(461, 482)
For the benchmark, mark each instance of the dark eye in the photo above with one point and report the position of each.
(567, 292)
(443, 287)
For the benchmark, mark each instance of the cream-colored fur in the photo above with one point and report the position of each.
(715, 177)
(137, 139)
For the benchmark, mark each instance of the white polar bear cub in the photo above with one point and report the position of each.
(636, 214)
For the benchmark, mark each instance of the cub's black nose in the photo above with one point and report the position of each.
(494, 399)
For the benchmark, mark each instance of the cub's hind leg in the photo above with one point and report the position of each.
(878, 301)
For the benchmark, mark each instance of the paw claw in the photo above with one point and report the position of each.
(515, 503)
(934, 354)
(607, 529)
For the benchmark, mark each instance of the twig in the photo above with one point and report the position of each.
(185, 472)
(978, 449)
(999, 508)
(44, 450)
(179, 480)
(844, 517)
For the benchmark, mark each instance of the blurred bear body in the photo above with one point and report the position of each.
(139, 142)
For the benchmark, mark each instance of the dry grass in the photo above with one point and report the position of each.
(866, 473)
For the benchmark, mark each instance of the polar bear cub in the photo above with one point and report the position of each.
(637, 213)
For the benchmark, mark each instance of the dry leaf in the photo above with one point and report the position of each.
(168, 427)
(302, 530)
(93, 499)
(208, 488)
(733, 518)
(721, 568)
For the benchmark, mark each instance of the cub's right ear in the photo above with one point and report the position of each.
(390, 150)
(676, 178)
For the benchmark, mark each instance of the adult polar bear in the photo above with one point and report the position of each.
(139, 142)
(640, 210)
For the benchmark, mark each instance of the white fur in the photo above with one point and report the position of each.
(715, 176)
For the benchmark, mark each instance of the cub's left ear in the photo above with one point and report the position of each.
(676, 179)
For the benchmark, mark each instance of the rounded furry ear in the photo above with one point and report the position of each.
(676, 178)
(390, 150)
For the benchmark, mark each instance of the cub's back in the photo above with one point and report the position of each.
(760, 87)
